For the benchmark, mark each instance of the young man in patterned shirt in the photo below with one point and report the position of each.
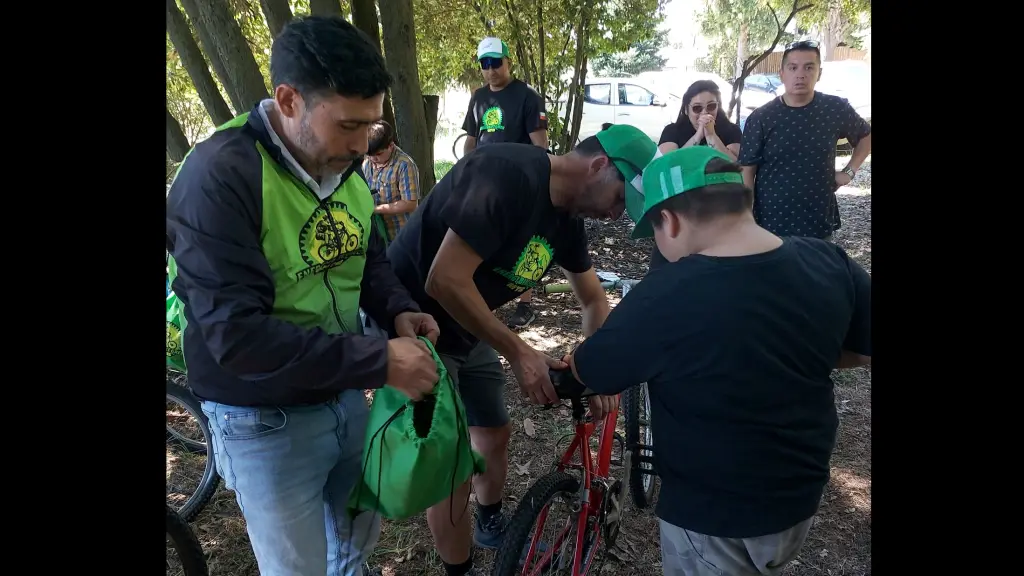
(788, 153)
(393, 178)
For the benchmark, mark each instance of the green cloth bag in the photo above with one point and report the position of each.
(378, 223)
(406, 471)
(175, 328)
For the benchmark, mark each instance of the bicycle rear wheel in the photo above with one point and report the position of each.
(555, 549)
(636, 405)
(185, 555)
(192, 475)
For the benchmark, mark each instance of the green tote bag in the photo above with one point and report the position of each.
(415, 453)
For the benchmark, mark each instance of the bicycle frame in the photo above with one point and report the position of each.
(589, 504)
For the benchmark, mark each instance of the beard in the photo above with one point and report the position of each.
(314, 150)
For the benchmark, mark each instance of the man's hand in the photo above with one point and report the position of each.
(411, 367)
(531, 370)
(842, 179)
(601, 405)
(413, 324)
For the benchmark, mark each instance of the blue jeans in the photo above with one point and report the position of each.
(292, 469)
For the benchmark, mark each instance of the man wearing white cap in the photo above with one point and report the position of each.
(505, 110)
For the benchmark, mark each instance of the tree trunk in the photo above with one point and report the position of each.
(364, 17)
(177, 144)
(325, 7)
(741, 49)
(410, 116)
(192, 59)
(542, 81)
(574, 110)
(277, 13)
(234, 52)
(835, 29)
(209, 49)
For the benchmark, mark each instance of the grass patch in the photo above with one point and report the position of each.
(441, 167)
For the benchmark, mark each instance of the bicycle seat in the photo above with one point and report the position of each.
(567, 386)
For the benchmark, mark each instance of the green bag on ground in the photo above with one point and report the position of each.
(416, 453)
(175, 328)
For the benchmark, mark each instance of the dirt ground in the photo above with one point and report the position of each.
(840, 540)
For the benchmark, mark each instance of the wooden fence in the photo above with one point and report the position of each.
(773, 63)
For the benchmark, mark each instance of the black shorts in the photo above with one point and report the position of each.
(480, 380)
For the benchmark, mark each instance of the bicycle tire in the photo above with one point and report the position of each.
(186, 545)
(210, 480)
(182, 395)
(641, 495)
(455, 146)
(517, 533)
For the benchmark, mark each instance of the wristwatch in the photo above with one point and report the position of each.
(849, 172)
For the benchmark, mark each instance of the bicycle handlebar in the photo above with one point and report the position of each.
(567, 386)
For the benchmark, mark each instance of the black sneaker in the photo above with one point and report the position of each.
(522, 317)
(367, 571)
(488, 534)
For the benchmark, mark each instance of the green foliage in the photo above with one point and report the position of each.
(642, 56)
(723, 20)
(182, 100)
(441, 167)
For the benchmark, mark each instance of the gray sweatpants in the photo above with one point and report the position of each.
(687, 553)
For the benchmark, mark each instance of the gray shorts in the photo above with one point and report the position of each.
(687, 553)
(480, 380)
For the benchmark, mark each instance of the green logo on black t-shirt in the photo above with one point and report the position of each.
(492, 119)
(533, 262)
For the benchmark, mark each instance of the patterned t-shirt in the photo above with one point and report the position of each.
(794, 150)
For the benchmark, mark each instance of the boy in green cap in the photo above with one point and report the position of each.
(736, 337)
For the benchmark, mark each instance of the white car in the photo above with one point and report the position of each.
(626, 101)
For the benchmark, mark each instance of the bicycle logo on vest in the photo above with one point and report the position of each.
(330, 237)
(530, 267)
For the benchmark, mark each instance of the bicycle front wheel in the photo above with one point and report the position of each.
(191, 471)
(545, 520)
(184, 553)
(636, 406)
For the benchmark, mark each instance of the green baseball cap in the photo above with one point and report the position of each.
(630, 150)
(491, 47)
(671, 174)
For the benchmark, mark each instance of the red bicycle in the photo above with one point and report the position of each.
(592, 499)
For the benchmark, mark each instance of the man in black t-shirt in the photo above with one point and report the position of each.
(736, 337)
(505, 110)
(788, 151)
(488, 231)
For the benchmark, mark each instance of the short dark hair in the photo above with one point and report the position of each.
(382, 135)
(708, 202)
(801, 47)
(591, 147)
(325, 54)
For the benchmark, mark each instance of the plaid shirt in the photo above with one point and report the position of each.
(398, 179)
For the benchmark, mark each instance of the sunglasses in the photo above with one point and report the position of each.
(711, 108)
(802, 45)
(489, 63)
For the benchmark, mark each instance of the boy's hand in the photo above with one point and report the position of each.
(601, 405)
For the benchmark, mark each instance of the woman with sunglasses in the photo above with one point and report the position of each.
(702, 122)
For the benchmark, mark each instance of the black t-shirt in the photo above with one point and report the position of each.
(508, 115)
(794, 150)
(681, 131)
(738, 353)
(497, 199)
